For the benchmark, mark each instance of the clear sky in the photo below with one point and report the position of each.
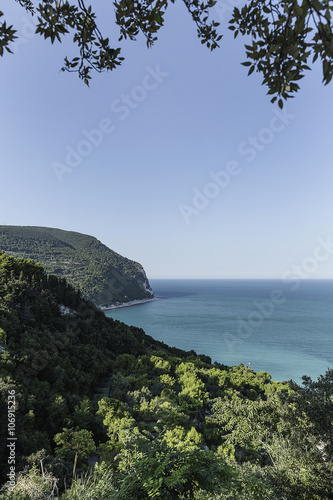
(177, 159)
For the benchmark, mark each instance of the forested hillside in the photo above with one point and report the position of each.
(102, 275)
(170, 425)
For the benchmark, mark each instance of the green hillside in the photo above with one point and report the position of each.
(55, 350)
(77, 387)
(102, 275)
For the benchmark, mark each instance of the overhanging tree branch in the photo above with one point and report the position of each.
(285, 34)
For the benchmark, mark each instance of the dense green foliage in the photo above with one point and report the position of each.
(101, 274)
(172, 425)
(52, 359)
(286, 35)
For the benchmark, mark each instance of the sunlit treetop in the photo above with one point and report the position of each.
(286, 37)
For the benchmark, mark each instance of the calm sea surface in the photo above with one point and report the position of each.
(265, 324)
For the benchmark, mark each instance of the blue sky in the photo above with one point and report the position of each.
(177, 159)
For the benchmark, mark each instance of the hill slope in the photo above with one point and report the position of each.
(58, 347)
(102, 275)
(170, 425)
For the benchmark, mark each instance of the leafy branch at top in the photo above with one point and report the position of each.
(285, 35)
(7, 35)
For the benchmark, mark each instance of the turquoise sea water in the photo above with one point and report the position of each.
(283, 328)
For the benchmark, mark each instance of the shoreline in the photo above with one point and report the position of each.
(126, 304)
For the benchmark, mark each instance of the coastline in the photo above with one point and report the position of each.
(119, 305)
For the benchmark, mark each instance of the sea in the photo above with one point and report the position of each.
(284, 328)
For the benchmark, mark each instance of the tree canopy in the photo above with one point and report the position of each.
(286, 36)
(162, 423)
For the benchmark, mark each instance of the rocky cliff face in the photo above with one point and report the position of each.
(124, 288)
(102, 275)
